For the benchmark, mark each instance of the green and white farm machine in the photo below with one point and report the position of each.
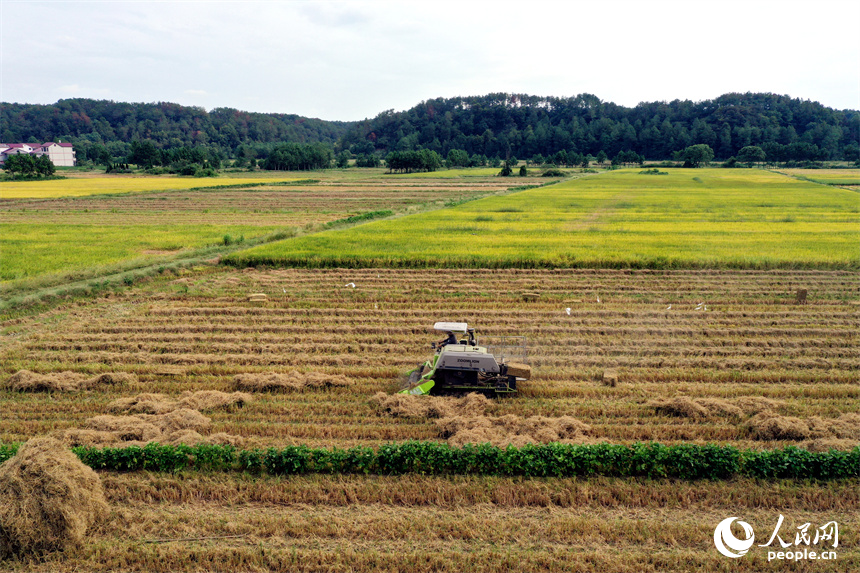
(460, 365)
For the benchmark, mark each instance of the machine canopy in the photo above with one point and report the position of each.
(452, 327)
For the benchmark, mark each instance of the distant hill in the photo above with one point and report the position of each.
(787, 129)
(168, 125)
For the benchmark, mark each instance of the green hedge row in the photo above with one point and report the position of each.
(681, 461)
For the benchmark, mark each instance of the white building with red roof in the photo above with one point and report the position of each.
(60, 154)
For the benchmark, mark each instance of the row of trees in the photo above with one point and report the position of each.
(409, 161)
(299, 157)
(25, 166)
(787, 129)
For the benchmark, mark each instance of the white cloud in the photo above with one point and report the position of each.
(353, 59)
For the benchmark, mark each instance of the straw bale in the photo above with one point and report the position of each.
(519, 370)
(610, 377)
(48, 499)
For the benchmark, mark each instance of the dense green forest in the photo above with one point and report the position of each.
(103, 131)
(787, 129)
(491, 126)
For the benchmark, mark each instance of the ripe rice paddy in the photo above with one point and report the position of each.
(710, 218)
(840, 177)
(49, 240)
(83, 186)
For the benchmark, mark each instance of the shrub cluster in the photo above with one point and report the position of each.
(683, 461)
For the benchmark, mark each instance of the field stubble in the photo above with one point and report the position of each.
(728, 336)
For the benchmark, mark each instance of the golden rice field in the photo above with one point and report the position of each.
(841, 177)
(83, 186)
(703, 218)
(46, 241)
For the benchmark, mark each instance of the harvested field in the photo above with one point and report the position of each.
(734, 344)
(216, 522)
(49, 239)
(48, 500)
(316, 352)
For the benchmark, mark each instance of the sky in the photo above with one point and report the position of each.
(351, 60)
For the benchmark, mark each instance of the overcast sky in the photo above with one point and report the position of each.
(353, 59)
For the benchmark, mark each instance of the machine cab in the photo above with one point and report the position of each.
(461, 335)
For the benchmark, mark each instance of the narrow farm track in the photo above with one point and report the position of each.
(703, 334)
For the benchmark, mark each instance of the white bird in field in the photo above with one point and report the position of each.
(568, 311)
(598, 299)
(350, 285)
(669, 307)
(283, 289)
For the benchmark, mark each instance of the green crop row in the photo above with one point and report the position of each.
(682, 461)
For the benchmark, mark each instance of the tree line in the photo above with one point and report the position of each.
(787, 129)
(102, 131)
(464, 131)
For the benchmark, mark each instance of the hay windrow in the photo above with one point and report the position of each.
(213, 399)
(701, 408)
(66, 381)
(48, 499)
(512, 430)
(177, 426)
(142, 404)
(770, 426)
(162, 404)
(827, 444)
(680, 406)
(408, 406)
(287, 381)
(26, 381)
